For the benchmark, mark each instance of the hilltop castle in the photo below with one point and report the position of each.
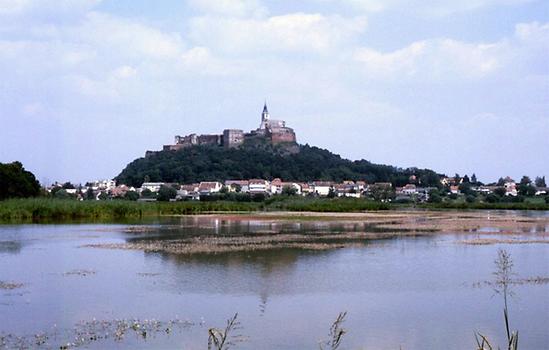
(270, 131)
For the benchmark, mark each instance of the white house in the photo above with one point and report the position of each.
(206, 188)
(322, 188)
(258, 186)
(151, 186)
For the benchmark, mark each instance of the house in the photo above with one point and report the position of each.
(151, 186)
(322, 188)
(306, 189)
(256, 186)
(454, 189)
(409, 189)
(510, 187)
(276, 186)
(208, 187)
(237, 185)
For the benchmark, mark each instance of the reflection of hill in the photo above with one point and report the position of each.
(12, 247)
(264, 273)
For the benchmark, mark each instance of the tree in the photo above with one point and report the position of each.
(165, 193)
(501, 182)
(525, 180)
(68, 186)
(492, 198)
(500, 191)
(540, 182)
(90, 195)
(146, 193)
(526, 190)
(63, 194)
(474, 179)
(435, 198)
(466, 179)
(16, 182)
(131, 196)
(289, 190)
(470, 198)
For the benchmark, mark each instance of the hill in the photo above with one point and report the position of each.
(306, 163)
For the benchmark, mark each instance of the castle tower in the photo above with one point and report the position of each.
(265, 116)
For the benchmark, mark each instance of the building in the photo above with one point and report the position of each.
(256, 186)
(151, 186)
(270, 130)
(208, 187)
(322, 188)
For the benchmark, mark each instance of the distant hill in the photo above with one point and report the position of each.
(299, 163)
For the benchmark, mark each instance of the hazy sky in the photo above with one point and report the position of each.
(86, 86)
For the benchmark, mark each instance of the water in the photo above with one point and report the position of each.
(414, 293)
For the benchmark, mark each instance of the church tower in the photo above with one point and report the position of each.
(265, 116)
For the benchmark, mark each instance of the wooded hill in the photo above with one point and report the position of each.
(306, 163)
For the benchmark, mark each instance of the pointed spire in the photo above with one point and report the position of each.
(265, 110)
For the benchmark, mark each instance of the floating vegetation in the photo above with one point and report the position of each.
(148, 274)
(82, 273)
(538, 280)
(87, 332)
(211, 244)
(487, 241)
(10, 286)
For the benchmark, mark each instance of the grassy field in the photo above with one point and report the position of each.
(42, 209)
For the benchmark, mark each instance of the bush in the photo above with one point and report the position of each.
(165, 193)
(470, 198)
(435, 198)
(492, 198)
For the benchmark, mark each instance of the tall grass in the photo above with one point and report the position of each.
(41, 209)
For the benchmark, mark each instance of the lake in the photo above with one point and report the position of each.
(407, 292)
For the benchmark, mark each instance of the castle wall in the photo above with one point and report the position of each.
(232, 138)
(281, 135)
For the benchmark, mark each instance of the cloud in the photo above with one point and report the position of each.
(50, 10)
(431, 8)
(448, 59)
(235, 8)
(297, 32)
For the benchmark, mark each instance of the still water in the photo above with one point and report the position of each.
(405, 293)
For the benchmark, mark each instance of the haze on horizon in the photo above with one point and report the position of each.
(89, 85)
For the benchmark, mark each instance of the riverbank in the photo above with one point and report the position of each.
(55, 210)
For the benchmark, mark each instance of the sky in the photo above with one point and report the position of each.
(86, 86)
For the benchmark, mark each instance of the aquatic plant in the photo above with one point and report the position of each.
(502, 285)
(336, 333)
(222, 339)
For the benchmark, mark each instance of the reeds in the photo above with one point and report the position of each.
(223, 339)
(503, 281)
(336, 333)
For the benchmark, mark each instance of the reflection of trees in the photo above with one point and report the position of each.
(12, 247)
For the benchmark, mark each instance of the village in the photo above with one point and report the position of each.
(452, 187)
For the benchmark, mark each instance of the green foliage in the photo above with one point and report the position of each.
(526, 189)
(525, 180)
(500, 191)
(63, 194)
(434, 197)
(540, 182)
(289, 191)
(210, 163)
(16, 182)
(166, 193)
(492, 198)
(470, 198)
(546, 199)
(131, 196)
